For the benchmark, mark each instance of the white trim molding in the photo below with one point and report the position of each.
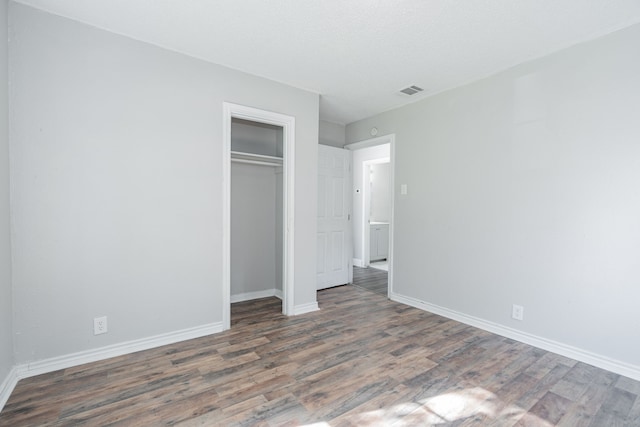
(94, 355)
(384, 139)
(248, 296)
(39, 367)
(616, 366)
(305, 308)
(288, 124)
(357, 262)
(7, 386)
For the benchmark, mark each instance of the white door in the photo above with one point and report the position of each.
(334, 217)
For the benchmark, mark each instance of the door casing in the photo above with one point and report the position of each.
(287, 123)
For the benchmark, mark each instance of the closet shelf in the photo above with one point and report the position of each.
(257, 159)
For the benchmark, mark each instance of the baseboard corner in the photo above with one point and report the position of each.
(7, 386)
(305, 308)
(248, 296)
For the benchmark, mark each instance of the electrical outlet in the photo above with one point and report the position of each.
(517, 312)
(100, 325)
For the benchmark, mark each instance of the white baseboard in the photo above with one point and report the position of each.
(31, 369)
(248, 296)
(74, 359)
(358, 262)
(305, 308)
(616, 366)
(7, 386)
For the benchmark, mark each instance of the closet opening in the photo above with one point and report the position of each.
(258, 212)
(256, 217)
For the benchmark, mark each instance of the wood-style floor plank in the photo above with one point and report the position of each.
(372, 279)
(360, 360)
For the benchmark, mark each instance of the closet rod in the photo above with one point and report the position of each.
(256, 162)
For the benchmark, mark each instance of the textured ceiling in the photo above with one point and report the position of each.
(357, 54)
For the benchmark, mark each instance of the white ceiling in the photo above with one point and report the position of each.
(357, 54)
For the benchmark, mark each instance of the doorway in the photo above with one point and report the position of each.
(373, 224)
(281, 158)
(377, 212)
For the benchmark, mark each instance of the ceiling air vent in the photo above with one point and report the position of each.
(411, 90)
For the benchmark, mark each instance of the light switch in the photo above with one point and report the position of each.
(403, 189)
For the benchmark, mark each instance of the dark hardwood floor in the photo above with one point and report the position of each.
(371, 279)
(361, 360)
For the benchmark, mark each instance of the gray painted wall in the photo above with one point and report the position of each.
(256, 138)
(253, 228)
(116, 170)
(256, 210)
(6, 310)
(331, 134)
(523, 188)
(380, 204)
(252, 259)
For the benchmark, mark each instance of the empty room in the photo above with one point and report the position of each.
(305, 213)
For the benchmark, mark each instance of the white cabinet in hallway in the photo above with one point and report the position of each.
(379, 241)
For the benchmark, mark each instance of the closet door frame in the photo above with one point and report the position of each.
(287, 123)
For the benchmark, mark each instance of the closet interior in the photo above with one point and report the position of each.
(257, 232)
